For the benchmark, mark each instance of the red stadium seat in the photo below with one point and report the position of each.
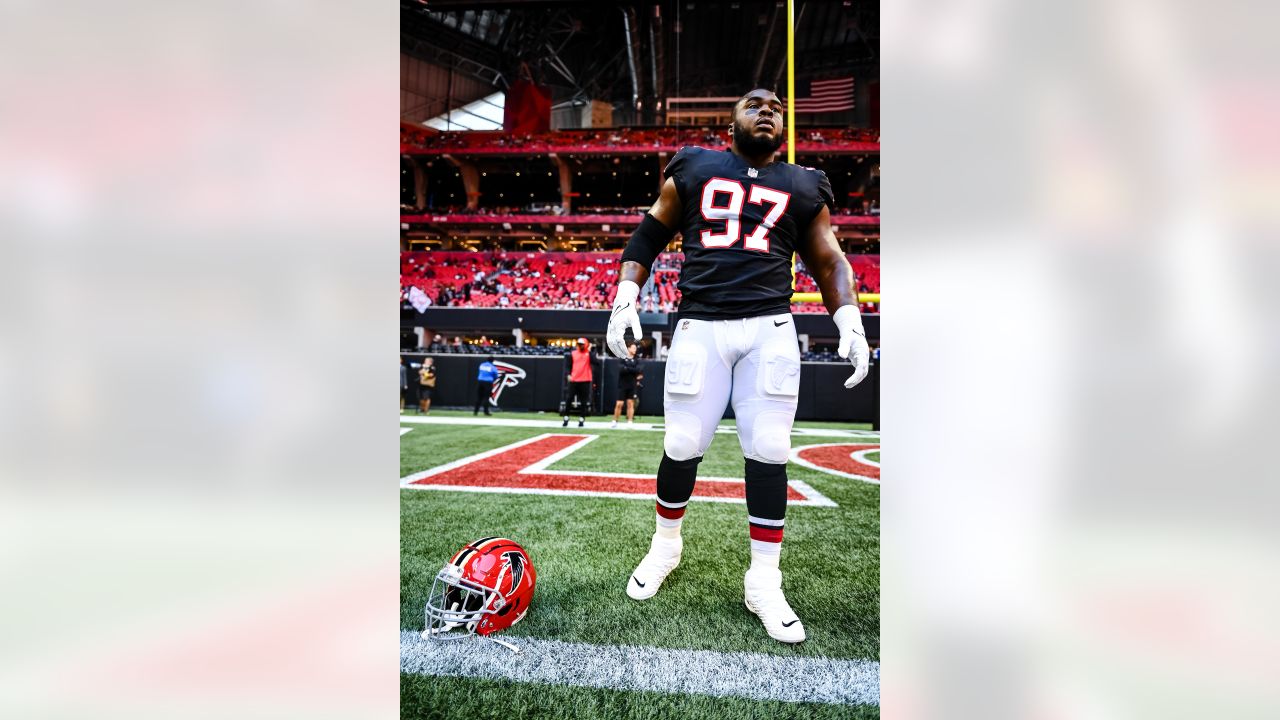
(574, 279)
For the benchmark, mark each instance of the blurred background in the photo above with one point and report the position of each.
(196, 455)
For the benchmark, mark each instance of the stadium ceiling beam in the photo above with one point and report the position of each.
(657, 65)
(447, 58)
(558, 65)
(782, 63)
(418, 32)
(768, 42)
(592, 84)
(502, 4)
(633, 49)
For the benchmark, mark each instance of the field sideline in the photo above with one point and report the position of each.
(691, 651)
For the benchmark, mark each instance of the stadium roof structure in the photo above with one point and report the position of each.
(483, 114)
(636, 55)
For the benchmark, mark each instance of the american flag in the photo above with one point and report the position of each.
(827, 96)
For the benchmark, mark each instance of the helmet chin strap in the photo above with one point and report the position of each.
(503, 643)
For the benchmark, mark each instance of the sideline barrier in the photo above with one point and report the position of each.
(822, 392)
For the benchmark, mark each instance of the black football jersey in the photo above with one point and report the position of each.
(741, 225)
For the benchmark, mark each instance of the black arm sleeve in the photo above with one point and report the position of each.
(647, 241)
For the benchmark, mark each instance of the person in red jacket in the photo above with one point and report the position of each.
(579, 382)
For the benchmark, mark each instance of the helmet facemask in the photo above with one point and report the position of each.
(456, 602)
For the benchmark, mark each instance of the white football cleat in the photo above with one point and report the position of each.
(663, 557)
(762, 588)
(613, 424)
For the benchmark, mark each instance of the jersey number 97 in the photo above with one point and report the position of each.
(714, 207)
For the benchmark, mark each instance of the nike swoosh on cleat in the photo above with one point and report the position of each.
(793, 622)
(616, 310)
(780, 324)
(633, 577)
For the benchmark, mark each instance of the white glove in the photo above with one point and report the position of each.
(853, 342)
(624, 316)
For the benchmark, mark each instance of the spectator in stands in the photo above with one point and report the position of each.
(629, 376)
(487, 376)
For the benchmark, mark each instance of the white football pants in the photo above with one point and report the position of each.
(753, 361)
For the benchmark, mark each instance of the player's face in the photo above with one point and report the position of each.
(757, 124)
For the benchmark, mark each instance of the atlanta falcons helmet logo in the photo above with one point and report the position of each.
(516, 561)
(508, 376)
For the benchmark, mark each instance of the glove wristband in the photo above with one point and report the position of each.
(847, 317)
(628, 291)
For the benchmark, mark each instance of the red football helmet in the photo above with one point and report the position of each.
(485, 587)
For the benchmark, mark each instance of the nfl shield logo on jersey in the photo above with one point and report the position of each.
(752, 172)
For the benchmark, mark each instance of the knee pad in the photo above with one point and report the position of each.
(683, 439)
(771, 437)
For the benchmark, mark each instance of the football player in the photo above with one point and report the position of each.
(742, 215)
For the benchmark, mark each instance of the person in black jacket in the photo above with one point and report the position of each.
(628, 377)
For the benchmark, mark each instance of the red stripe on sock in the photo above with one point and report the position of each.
(670, 513)
(766, 534)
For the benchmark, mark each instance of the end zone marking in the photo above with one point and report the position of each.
(522, 467)
(843, 459)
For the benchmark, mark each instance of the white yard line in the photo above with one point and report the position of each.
(405, 431)
(866, 435)
(706, 672)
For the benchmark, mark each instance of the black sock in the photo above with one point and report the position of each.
(766, 490)
(676, 478)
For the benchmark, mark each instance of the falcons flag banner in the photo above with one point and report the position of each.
(419, 299)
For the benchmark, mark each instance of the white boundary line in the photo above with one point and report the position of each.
(795, 458)
(600, 425)
(412, 482)
(405, 431)
(756, 676)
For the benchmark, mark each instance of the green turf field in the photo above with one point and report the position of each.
(584, 549)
